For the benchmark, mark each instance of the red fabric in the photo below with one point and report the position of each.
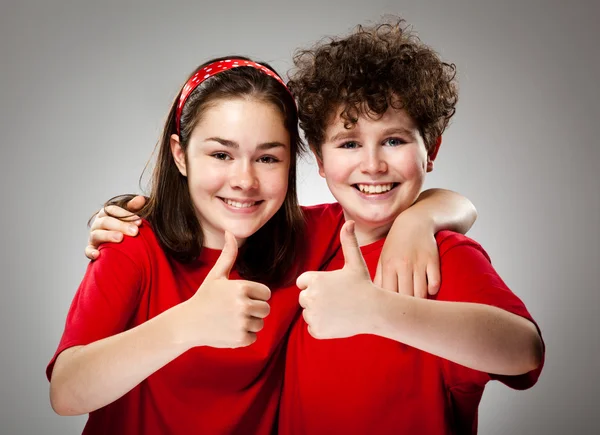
(205, 390)
(211, 70)
(369, 384)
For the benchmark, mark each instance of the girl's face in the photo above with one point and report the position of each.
(237, 164)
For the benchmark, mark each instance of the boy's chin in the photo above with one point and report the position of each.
(378, 217)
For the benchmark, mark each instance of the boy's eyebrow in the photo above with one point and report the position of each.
(389, 131)
(341, 135)
(232, 144)
(399, 130)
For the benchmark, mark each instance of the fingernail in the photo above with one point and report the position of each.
(117, 237)
(132, 230)
(138, 222)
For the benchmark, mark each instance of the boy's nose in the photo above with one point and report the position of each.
(373, 163)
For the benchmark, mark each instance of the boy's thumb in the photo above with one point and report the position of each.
(352, 254)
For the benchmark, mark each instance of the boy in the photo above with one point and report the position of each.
(360, 359)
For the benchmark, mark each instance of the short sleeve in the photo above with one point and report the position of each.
(105, 300)
(323, 225)
(468, 276)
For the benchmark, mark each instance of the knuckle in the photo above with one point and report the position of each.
(98, 222)
(260, 324)
(110, 210)
(314, 332)
(245, 305)
(434, 283)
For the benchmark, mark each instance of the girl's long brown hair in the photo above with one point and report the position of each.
(270, 254)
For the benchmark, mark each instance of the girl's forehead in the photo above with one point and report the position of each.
(242, 123)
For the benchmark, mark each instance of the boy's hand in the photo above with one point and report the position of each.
(108, 229)
(223, 313)
(409, 262)
(339, 304)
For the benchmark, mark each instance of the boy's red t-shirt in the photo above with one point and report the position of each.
(369, 384)
(205, 390)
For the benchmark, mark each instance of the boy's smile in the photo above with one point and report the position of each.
(375, 169)
(375, 190)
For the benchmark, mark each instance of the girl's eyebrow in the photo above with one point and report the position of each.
(232, 144)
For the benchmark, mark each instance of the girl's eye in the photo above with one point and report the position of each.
(394, 141)
(268, 159)
(221, 156)
(349, 145)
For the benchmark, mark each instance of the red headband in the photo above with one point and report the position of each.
(211, 70)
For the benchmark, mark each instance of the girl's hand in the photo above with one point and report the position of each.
(109, 229)
(223, 313)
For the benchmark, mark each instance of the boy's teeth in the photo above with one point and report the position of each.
(238, 204)
(380, 188)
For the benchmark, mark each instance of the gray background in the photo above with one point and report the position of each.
(84, 89)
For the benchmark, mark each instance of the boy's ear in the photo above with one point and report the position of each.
(318, 159)
(433, 154)
(429, 164)
(178, 154)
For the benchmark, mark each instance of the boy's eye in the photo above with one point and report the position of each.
(349, 145)
(394, 141)
(268, 159)
(221, 156)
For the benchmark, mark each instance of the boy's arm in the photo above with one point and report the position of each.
(107, 228)
(477, 336)
(469, 331)
(409, 261)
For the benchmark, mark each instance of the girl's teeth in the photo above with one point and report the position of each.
(380, 188)
(239, 204)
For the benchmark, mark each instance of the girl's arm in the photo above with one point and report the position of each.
(89, 377)
(222, 313)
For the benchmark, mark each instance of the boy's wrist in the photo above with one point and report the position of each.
(379, 310)
(389, 312)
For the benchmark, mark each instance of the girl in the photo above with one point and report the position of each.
(173, 331)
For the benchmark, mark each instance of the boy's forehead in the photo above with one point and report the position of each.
(394, 119)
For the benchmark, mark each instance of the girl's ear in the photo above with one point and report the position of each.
(178, 154)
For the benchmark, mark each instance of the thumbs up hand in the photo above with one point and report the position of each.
(339, 303)
(224, 313)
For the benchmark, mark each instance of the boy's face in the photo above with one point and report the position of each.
(376, 169)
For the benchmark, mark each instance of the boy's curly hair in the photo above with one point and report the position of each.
(369, 70)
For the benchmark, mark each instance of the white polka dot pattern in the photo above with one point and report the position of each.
(211, 70)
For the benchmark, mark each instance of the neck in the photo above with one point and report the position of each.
(367, 233)
(216, 240)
